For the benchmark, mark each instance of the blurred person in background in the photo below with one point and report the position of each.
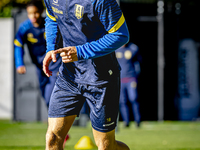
(129, 59)
(32, 33)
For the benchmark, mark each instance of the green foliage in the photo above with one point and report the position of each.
(6, 6)
(6, 11)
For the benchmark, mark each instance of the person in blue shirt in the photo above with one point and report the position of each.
(92, 30)
(32, 33)
(129, 59)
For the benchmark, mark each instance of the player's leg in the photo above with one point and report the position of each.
(123, 104)
(104, 106)
(106, 141)
(65, 105)
(133, 97)
(84, 115)
(47, 95)
(43, 81)
(49, 88)
(57, 131)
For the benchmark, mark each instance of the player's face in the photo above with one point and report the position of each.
(34, 14)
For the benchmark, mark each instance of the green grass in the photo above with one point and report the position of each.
(151, 136)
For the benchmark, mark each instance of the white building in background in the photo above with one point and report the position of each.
(6, 68)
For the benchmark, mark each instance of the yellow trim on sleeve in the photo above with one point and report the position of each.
(51, 17)
(117, 25)
(17, 43)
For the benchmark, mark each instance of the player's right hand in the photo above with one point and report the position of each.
(21, 70)
(48, 58)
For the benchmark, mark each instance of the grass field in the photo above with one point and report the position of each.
(151, 136)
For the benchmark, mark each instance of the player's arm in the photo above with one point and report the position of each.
(19, 51)
(51, 29)
(114, 22)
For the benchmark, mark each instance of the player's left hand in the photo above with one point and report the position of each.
(48, 58)
(68, 54)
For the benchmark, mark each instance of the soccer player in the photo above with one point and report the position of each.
(91, 31)
(32, 33)
(129, 59)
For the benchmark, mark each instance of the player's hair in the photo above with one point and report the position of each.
(37, 3)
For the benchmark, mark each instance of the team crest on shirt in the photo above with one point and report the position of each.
(79, 11)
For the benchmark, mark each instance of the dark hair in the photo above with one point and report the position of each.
(37, 3)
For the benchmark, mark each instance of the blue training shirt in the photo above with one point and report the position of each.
(129, 59)
(96, 27)
(35, 39)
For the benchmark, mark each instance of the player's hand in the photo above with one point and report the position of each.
(47, 60)
(68, 54)
(21, 70)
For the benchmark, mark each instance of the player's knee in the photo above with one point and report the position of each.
(105, 145)
(52, 139)
(111, 145)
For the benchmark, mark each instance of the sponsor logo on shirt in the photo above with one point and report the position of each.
(31, 38)
(128, 54)
(56, 10)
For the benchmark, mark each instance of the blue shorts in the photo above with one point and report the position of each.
(103, 99)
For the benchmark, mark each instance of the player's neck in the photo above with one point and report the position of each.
(38, 23)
